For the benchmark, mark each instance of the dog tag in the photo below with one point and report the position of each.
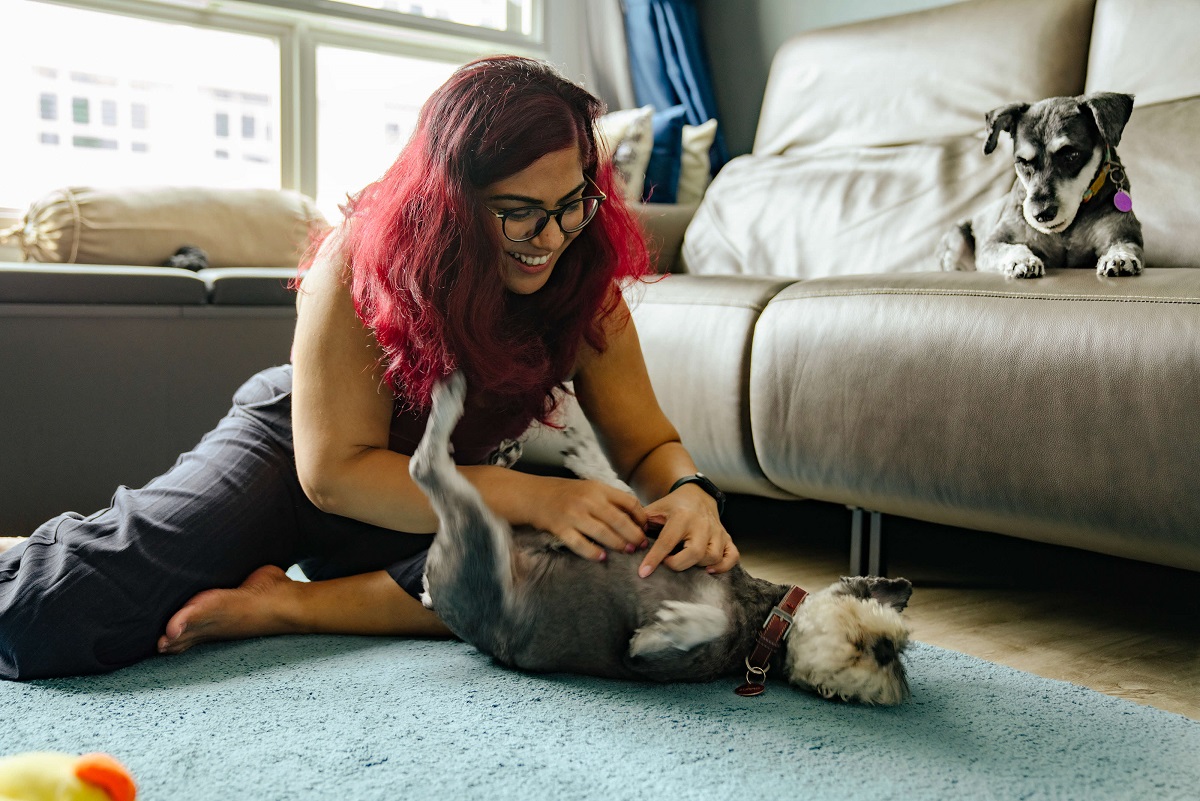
(1123, 201)
(750, 689)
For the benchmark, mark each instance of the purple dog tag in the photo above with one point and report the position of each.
(1123, 201)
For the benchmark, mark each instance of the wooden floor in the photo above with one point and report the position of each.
(1124, 628)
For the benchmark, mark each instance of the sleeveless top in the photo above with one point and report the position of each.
(480, 431)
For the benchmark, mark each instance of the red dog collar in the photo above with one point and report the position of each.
(774, 629)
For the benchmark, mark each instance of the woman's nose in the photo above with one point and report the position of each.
(551, 236)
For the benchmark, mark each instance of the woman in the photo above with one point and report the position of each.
(495, 244)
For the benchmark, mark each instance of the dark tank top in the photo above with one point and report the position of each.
(479, 432)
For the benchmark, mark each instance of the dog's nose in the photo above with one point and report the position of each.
(884, 651)
(1047, 214)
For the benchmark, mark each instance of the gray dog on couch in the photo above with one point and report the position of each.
(521, 597)
(1070, 205)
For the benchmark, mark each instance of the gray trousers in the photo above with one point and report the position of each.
(92, 594)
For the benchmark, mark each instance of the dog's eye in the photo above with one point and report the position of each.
(1069, 155)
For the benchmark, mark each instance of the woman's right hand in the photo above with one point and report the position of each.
(588, 516)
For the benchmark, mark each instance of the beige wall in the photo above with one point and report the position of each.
(742, 37)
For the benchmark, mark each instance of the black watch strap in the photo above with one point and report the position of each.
(705, 483)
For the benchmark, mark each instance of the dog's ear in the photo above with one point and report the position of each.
(889, 592)
(1111, 111)
(1000, 119)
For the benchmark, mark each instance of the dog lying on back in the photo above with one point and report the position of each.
(521, 597)
(1070, 205)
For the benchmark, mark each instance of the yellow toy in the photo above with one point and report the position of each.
(47, 776)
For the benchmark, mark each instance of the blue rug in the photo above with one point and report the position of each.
(363, 719)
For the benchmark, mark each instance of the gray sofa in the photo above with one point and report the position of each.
(107, 374)
(812, 349)
(804, 343)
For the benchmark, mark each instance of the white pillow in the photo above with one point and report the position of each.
(695, 170)
(629, 136)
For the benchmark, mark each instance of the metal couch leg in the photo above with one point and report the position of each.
(868, 557)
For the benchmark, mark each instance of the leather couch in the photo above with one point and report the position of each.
(811, 348)
(803, 342)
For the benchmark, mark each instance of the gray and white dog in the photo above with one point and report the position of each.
(1070, 205)
(521, 597)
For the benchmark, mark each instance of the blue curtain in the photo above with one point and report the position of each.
(668, 66)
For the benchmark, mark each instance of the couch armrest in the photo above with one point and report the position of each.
(665, 225)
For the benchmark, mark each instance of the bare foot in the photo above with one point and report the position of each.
(8, 542)
(255, 609)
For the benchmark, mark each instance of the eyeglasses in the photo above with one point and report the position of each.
(523, 224)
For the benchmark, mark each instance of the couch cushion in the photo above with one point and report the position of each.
(146, 225)
(920, 76)
(246, 286)
(1139, 48)
(838, 212)
(1061, 409)
(683, 321)
(1158, 142)
(45, 283)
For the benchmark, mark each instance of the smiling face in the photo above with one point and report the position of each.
(552, 181)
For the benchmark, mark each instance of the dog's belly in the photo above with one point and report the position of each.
(577, 616)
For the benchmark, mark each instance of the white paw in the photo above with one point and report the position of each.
(1118, 261)
(1025, 266)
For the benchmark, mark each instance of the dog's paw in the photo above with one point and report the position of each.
(1119, 261)
(1025, 266)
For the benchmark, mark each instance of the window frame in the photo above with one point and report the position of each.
(302, 26)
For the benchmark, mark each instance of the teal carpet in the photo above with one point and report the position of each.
(363, 719)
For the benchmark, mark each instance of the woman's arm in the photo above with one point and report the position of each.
(615, 394)
(341, 410)
(341, 417)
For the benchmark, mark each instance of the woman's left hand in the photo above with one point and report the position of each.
(689, 518)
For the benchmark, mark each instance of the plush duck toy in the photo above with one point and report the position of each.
(47, 776)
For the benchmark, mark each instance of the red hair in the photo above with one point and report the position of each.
(427, 258)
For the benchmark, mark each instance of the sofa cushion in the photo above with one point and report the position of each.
(145, 226)
(920, 76)
(25, 283)
(837, 212)
(700, 368)
(1140, 47)
(1136, 48)
(247, 286)
(1158, 141)
(1061, 409)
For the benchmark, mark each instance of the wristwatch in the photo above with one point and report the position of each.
(705, 483)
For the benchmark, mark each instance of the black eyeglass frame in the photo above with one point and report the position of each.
(557, 214)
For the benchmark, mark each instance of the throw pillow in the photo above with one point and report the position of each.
(662, 173)
(629, 136)
(144, 226)
(695, 167)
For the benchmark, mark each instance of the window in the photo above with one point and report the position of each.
(49, 105)
(362, 125)
(314, 95)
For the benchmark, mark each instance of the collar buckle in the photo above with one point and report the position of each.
(774, 630)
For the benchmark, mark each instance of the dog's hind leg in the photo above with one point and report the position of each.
(583, 456)
(469, 571)
(956, 251)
